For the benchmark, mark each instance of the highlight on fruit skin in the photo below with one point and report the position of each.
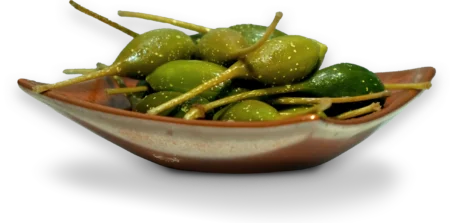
(284, 64)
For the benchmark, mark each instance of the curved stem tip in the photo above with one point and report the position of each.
(373, 107)
(103, 19)
(316, 109)
(267, 34)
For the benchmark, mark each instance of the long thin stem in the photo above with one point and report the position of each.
(103, 19)
(409, 86)
(109, 71)
(339, 100)
(292, 111)
(236, 70)
(185, 25)
(318, 108)
(133, 99)
(199, 111)
(83, 71)
(267, 34)
(126, 90)
(79, 71)
(373, 107)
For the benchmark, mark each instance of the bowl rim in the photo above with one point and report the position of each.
(428, 75)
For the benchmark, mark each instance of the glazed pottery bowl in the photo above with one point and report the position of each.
(228, 147)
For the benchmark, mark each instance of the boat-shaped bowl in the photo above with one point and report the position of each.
(228, 147)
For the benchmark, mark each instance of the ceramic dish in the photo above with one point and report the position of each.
(228, 147)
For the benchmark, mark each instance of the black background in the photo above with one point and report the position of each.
(50, 36)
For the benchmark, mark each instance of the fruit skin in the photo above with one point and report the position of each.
(219, 45)
(184, 75)
(148, 51)
(283, 60)
(253, 33)
(248, 111)
(353, 79)
(196, 38)
(157, 99)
